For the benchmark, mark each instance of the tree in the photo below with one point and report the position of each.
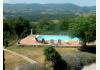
(22, 27)
(51, 55)
(45, 26)
(34, 27)
(65, 22)
(6, 37)
(84, 27)
(8, 32)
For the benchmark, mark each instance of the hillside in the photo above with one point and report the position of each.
(37, 11)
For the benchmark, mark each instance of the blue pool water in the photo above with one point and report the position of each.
(56, 37)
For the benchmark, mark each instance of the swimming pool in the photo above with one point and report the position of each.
(56, 37)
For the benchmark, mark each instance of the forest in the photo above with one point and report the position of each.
(83, 26)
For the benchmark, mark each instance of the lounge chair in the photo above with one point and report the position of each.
(52, 41)
(43, 40)
(59, 41)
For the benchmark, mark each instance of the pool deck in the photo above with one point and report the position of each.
(30, 40)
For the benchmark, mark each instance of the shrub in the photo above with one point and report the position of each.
(72, 61)
(77, 60)
(54, 59)
(91, 48)
(69, 61)
(51, 54)
(86, 58)
(35, 66)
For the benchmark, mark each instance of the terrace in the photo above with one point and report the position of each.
(35, 40)
(32, 40)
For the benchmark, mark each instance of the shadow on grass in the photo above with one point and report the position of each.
(90, 49)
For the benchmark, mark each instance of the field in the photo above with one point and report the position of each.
(36, 53)
(11, 61)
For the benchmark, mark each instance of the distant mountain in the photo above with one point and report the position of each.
(33, 10)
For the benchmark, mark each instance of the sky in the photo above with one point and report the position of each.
(77, 2)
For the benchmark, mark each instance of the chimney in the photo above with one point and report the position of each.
(31, 32)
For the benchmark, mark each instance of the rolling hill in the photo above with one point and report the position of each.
(37, 11)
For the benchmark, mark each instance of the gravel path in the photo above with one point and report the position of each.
(90, 67)
(24, 57)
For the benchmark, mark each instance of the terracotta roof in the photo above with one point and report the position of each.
(29, 40)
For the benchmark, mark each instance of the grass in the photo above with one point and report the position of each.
(11, 61)
(74, 61)
(70, 54)
(67, 50)
(31, 52)
(74, 58)
(36, 53)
